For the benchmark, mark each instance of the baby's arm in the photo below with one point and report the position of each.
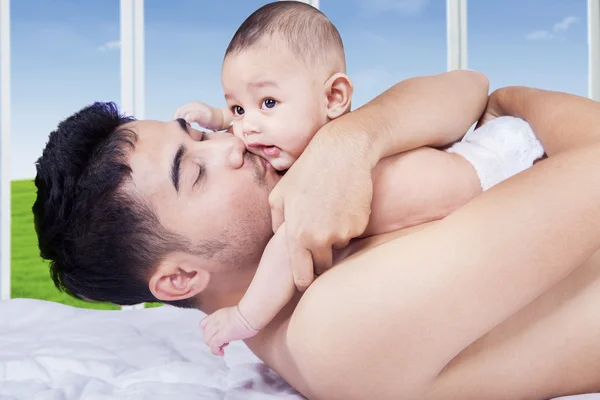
(428, 184)
(216, 119)
(270, 290)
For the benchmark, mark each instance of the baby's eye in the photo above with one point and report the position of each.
(237, 110)
(269, 103)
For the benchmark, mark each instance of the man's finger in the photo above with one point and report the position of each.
(302, 265)
(322, 259)
(277, 216)
(342, 244)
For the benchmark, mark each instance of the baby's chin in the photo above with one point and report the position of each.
(283, 162)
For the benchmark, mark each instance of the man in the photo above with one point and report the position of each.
(158, 210)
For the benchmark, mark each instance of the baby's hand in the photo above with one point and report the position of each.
(204, 115)
(224, 326)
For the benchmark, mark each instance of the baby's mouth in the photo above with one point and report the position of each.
(268, 151)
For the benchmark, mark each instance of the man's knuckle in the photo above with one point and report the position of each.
(302, 235)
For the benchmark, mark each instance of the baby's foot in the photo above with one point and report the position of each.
(224, 326)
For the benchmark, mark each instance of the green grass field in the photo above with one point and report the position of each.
(30, 276)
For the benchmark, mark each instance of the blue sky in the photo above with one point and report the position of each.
(65, 53)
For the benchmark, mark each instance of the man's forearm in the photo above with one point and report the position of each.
(424, 111)
(550, 115)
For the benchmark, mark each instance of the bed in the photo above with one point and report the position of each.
(50, 351)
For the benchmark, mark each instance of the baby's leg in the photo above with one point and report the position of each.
(428, 184)
(270, 290)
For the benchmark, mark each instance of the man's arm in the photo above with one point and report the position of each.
(325, 197)
(433, 111)
(558, 131)
(435, 292)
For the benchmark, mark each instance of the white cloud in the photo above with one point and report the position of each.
(565, 24)
(540, 35)
(558, 30)
(403, 6)
(111, 45)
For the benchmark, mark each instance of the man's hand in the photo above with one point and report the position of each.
(497, 103)
(206, 116)
(325, 200)
(492, 111)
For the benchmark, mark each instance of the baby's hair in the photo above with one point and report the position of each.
(306, 31)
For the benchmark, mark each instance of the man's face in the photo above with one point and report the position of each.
(204, 187)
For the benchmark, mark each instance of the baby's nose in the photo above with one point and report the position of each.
(249, 127)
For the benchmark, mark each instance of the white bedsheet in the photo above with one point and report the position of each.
(50, 351)
(53, 352)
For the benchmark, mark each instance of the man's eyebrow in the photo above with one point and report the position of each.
(176, 167)
(183, 124)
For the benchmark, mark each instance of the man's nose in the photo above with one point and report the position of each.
(225, 151)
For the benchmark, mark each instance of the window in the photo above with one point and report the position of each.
(540, 43)
(387, 41)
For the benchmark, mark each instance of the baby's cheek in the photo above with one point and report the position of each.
(296, 146)
(283, 162)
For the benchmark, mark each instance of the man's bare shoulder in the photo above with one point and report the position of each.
(290, 344)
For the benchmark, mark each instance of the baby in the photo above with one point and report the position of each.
(284, 77)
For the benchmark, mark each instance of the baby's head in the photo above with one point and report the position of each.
(284, 77)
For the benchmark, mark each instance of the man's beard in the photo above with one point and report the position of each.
(259, 178)
(246, 239)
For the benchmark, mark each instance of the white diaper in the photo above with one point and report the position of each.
(499, 149)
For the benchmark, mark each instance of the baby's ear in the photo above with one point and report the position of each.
(339, 90)
(178, 276)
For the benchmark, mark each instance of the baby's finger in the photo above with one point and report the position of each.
(216, 350)
(216, 347)
(204, 321)
(180, 111)
(209, 333)
(220, 344)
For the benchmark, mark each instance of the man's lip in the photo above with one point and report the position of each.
(264, 164)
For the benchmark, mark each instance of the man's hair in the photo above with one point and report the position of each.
(305, 30)
(102, 243)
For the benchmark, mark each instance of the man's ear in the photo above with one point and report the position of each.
(339, 90)
(179, 276)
